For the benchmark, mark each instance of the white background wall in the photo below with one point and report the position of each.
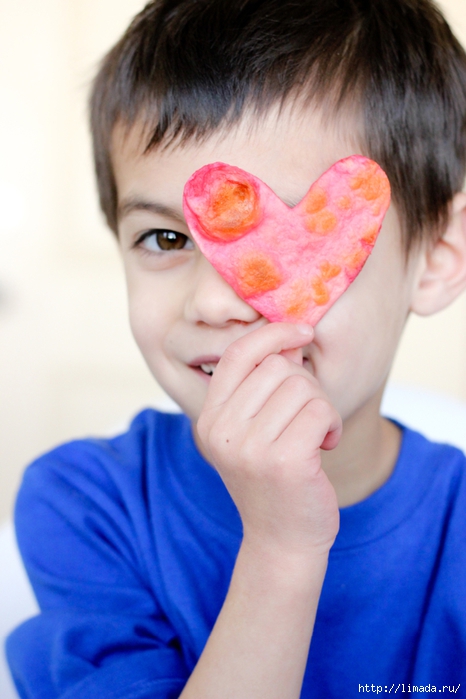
(68, 365)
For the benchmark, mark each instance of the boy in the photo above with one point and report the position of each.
(204, 555)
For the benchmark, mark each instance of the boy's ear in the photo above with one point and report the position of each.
(442, 268)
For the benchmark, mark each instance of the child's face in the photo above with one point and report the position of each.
(183, 314)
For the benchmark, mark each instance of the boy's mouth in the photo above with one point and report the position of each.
(205, 365)
(208, 368)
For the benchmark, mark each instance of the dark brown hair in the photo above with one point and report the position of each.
(190, 67)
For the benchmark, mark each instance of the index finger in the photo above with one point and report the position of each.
(245, 354)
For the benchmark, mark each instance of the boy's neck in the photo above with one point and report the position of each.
(366, 455)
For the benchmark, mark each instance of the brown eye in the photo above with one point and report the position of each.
(158, 240)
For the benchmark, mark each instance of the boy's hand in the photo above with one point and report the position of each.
(263, 424)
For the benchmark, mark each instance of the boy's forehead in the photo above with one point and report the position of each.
(288, 149)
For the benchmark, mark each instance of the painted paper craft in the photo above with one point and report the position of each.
(290, 264)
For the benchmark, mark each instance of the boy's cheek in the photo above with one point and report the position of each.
(145, 329)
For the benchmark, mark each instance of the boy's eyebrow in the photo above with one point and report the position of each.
(135, 204)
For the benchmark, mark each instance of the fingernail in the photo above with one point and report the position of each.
(305, 329)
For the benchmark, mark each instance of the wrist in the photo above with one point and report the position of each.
(286, 567)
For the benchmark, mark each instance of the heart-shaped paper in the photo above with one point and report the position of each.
(290, 264)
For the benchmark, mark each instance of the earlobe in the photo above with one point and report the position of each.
(442, 268)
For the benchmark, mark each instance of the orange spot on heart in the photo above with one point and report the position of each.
(344, 202)
(355, 261)
(257, 273)
(370, 236)
(298, 299)
(320, 293)
(322, 223)
(329, 271)
(316, 200)
(372, 183)
(232, 209)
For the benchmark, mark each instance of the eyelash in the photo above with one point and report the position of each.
(170, 236)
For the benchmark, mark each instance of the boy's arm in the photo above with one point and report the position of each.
(259, 645)
(262, 426)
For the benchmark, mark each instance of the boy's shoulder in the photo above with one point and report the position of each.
(427, 485)
(149, 439)
(430, 472)
(108, 470)
(126, 482)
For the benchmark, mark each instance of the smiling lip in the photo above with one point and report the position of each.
(205, 359)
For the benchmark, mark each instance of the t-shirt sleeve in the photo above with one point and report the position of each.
(101, 631)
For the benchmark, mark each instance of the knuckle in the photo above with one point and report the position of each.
(236, 352)
(321, 409)
(300, 385)
(320, 405)
(233, 353)
(276, 363)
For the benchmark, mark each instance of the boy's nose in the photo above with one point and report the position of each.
(213, 301)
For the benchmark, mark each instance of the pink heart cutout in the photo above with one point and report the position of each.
(290, 264)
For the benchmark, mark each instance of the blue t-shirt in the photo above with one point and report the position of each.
(130, 544)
